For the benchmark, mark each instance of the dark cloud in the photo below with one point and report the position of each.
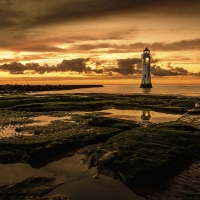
(6, 60)
(129, 66)
(172, 71)
(28, 14)
(179, 70)
(14, 68)
(38, 69)
(195, 74)
(77, 65)
(183, 45)
(30, 25)
(124, 66)
(38, 48)
(74, 65)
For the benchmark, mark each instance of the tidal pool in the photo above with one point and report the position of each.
(44, 120)
(9, 130)
(142, 115)
(79, 182)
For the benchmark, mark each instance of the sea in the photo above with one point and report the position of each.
(177, 90)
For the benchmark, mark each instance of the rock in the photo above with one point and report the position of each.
(31, 188)
(96, 176)
(59, 197)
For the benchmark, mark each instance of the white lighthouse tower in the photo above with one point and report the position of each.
(146, 74)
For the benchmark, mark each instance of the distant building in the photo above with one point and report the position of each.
(146, 74)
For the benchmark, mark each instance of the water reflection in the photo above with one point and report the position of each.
(45, 120)
(146, 90)
(79, 183)
(146, 116)
(10, 130)
(135, 115)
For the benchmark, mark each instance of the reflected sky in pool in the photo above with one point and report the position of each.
(136, 115)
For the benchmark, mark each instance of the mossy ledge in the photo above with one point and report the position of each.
(146, 156)
(94, 102)
(38, 147)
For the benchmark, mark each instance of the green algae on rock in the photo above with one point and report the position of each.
(150, 155)
(89, 102)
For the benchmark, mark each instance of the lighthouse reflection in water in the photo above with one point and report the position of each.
(146, 116)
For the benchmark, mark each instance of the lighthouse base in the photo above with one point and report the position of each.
(148, 85)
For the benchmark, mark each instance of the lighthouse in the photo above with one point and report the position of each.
(146, 74)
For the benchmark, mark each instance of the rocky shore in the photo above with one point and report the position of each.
(135, 154)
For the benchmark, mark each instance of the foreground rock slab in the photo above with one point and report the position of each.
(31, 188)
(146, 156)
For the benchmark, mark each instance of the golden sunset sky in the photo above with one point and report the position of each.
(99, 41)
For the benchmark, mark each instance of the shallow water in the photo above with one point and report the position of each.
(44, 120)
(177, 90)
(136, 115)
(80, 183)
(9, 130)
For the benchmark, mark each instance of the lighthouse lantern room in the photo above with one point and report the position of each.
(146, 74)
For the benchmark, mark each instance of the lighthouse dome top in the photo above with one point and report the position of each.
(146, 51)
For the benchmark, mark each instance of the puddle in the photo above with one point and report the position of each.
(44, 120)
(9, 130)
(79, 182)
(142, 115)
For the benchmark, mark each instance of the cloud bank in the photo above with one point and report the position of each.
(124, 67)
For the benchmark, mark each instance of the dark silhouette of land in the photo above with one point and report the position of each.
(16, 89)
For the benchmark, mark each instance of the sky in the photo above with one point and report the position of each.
(99, 41)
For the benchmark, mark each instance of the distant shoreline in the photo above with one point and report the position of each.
(19, 89)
